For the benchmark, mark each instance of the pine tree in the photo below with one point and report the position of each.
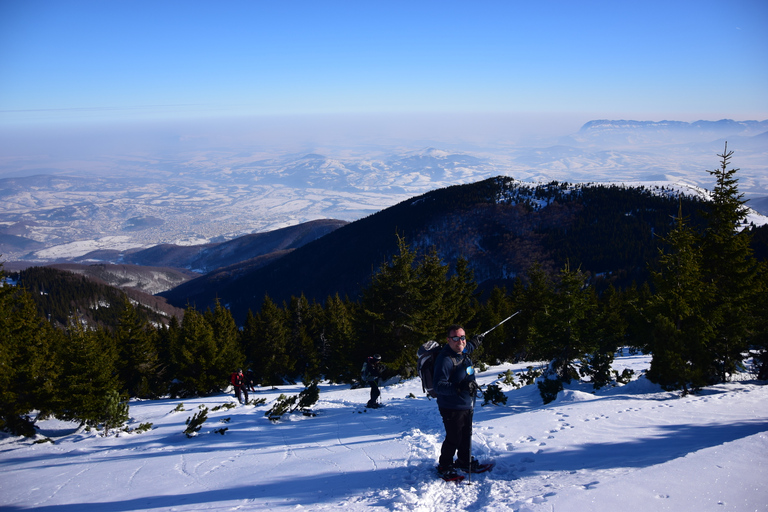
(194, 355)
(88, 374)
(571, 323)
(338, 341)
(271, 362)
(497, 346)
(609, 334)
(390, 320)
(301, 346)
(27, 366)
(680, 329)
(138, 362)
(730, 267)
(229, 355)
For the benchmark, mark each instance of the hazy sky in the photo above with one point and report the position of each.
(160, 59)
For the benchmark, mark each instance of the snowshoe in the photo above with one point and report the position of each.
(475, 466)
(449, 474)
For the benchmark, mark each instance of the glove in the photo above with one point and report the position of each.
(477, 340)
(470, 386)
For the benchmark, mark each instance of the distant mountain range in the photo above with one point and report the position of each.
(211, 195)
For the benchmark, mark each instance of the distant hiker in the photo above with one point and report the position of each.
(456, 387)
(250, 380)
(238, 381)
(371, 373)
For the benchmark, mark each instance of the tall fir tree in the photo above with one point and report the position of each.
(390, 320)
(194, 354)
(731, 268)
(88, 374)
(338, 339)
(301, 346)
(27, 366)
(570, 323)
(271, 362)
(229, 354)
(680, 330)
(138, 361)
(498, 345)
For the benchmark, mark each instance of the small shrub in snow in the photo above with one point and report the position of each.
(302, 402)
(549, 388)
(116, 412)
(494, 395)
(195, 423)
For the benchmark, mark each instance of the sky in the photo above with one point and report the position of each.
(69, 62)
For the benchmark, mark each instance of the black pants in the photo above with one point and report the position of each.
(375, 393)
(458, 436)
(239, 391)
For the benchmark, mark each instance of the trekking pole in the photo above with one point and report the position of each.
(498, 324)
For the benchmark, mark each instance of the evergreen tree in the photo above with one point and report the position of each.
(194, 355)
(570, 324)
(27, 367)
(461, 296)
(229, 355)
(301, 346)
(338, 341)
(138, 362)
(88, 374)
(609, 333)
(271, 362)
(498, 345)
(680, 329)
(537, 297)
(390, 319)
(730, 267)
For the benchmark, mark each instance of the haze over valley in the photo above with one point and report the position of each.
(59, 206)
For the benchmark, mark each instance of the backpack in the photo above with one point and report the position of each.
(426, 366)
(364, 373)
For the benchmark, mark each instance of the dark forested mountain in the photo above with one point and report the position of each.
(208, 257)
(500, 225)
(61, 295)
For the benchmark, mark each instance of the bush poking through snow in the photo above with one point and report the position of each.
(116, 412)
(301, 402)
(195, 423)
(494, 395)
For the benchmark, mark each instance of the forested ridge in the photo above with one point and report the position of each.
(700, 313)
(500, 225)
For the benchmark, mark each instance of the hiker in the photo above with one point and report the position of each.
(238, 381)
(371, 374)
(250, 380)
(456, 387)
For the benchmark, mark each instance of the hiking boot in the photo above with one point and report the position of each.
(472, 467)
(446, 470)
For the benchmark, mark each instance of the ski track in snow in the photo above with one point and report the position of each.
(632, 447)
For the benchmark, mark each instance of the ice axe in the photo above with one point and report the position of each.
(498, 324)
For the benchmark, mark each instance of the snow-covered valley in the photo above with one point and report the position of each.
(51, 211)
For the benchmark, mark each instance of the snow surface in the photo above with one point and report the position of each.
(628, 448)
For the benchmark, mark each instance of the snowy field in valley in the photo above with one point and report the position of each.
(629, 448)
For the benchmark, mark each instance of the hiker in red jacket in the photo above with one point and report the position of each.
(238, 381)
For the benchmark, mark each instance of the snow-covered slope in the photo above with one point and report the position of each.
(633, 448)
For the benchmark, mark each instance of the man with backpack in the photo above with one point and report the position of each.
(238, 381)
(371, 373)
(456, 388)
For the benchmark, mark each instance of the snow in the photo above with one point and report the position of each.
(629, 448)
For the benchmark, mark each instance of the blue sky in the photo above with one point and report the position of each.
(114, 60)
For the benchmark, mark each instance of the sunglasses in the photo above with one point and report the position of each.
(457, 338)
